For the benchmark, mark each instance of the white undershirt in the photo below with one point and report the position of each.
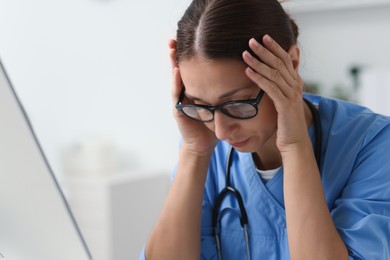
(267, 175)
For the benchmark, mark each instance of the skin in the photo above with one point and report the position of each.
(277, 135)
(225, 80)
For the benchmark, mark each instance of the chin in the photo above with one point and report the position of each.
(252, 147)
(249, 148)
(243, 150)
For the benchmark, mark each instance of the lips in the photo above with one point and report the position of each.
(239, 144)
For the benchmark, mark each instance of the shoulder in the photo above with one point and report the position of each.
(349, 131)
(355, 148)
(351, 121)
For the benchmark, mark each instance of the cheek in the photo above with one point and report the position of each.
(210, 126)
(267, 116)
(264, 128)
(268, 112)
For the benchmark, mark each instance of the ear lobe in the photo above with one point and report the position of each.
(294, 53)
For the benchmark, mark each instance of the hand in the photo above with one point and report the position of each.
(276, 75)
(197, 138)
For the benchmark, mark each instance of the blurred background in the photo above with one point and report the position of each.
(94, 77)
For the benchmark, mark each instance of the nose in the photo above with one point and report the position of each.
(223, 125)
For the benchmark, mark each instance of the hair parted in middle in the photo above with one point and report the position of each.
(219, 29)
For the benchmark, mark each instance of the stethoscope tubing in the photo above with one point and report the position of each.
(231, 190)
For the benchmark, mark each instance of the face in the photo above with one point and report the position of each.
(213, 82)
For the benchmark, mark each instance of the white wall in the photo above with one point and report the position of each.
(332, 41)
(95, 68)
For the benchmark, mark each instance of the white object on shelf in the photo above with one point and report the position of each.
(374, 90)
(89, 157)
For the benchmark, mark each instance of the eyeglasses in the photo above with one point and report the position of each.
(238, 109)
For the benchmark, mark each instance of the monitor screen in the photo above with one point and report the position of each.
(35, 219)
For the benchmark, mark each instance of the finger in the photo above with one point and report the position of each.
(172, 52)
(172, 43)
(172, 58)
(285, 57)
(274, 62)
(270, 75)
(282, 103)
(271, 88)
(177, 85)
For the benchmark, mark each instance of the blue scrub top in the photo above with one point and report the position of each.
(355, 174)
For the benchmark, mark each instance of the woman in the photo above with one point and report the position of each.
(236, 84)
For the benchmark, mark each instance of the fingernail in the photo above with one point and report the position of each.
(247, 54)
(254, 42)
(267, 38)
(249, 70)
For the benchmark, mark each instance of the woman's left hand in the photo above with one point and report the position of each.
(276, 75)
(308, 220)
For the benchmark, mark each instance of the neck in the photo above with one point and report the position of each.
(308, 115)
(269, 157)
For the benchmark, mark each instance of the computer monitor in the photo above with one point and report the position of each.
(35, 219)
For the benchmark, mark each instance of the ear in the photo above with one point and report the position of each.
(294, 53)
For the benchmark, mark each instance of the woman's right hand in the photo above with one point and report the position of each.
(197, 138)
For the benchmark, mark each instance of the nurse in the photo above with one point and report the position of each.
(236, 84)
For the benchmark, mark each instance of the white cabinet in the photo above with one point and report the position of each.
(116, 213)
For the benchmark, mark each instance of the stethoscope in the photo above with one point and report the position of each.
(236, 194)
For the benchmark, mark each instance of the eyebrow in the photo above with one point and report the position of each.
(225, 95)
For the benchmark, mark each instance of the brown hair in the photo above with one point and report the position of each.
(218, 29)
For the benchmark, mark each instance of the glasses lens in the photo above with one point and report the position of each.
(198, 113)
(240, 110)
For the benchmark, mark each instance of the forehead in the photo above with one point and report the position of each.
(202, 75)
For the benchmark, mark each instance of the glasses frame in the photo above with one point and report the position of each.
(253, 102)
